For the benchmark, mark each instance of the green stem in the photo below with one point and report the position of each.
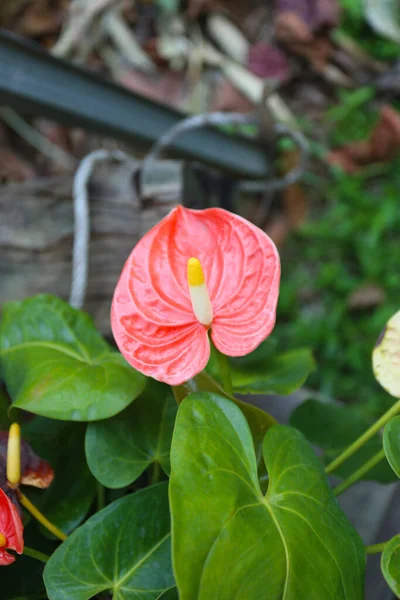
(35, 512)
(155, 473)
(101, 496)
(375, 548)
(359, 473)
(35, 554)
(177, 395)
(352, 449)
(225, 372)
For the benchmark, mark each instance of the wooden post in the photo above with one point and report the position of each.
(36, 231)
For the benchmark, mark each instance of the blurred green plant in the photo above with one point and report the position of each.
(354, 24)
(352, 244)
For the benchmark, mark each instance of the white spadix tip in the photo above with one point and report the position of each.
(198, 292)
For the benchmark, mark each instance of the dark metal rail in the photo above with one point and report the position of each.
(35, 83)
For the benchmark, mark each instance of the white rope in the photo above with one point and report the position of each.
(80, 256)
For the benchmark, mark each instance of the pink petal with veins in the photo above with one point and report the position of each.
(152, 317)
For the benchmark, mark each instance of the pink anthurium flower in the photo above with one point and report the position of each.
(11, 530)
(193, 272)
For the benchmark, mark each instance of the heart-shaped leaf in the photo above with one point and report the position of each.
(171, 594)
(390, 564)
(57, 365)
(229, 540)
(258, 420)
(333, 428)
(282, 374)
(391, 444)
(120, 449)
(124, 548)
(68, 499)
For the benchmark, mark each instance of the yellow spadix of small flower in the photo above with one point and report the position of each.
(14, 455)
(198, 291)
(3, 540)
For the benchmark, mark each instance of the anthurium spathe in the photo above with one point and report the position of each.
(11, 530)
(197, 270)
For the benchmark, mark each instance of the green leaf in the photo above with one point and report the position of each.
(333, 428)
(293, 543)
(120, 449)
(329, 426)
(258, 420)
(390, 564)
(57, 365)
(282, 374)
(124, 548)
(391, 444)
(68, 499)
(171, 594)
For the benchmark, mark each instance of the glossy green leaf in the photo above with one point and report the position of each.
(57, 365)
(124, 548)
(390, 564)
(120, 449)
(68, 499)
(171, 594)
(258, 420)
(391, 444)
(333, 428)
(282, 374)
(231, 541)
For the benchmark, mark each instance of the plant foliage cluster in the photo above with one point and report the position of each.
(248, 506)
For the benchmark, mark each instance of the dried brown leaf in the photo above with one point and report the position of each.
(366, 296)
(40, 18)
(295, 200)
(228, 98)
(35, 471)
(278, 229)
(197, 7)
(304, 26)
(13, 168)
(315, 14)
(168, 87)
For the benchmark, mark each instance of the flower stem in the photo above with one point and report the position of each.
(359, 473)
(365, 437)
(26, 503)
(35, 554)
(101, 499)
(375, 548)
(225, 372)
(155, 473)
